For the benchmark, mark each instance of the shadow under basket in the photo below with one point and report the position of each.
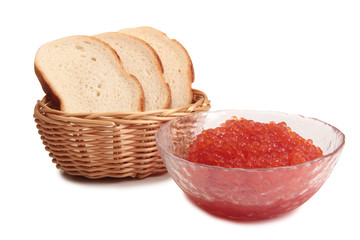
(98, 145)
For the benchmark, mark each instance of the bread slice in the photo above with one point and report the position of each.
(178, 68)
(141, 60)
(84, 74)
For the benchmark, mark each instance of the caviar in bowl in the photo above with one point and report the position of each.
(247, 194)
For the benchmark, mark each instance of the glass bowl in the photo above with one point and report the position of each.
(247, 194)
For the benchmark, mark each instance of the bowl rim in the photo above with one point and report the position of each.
(326, 156)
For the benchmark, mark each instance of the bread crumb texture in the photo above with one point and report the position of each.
(86, 75)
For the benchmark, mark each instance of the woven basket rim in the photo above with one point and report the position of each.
(113, 118)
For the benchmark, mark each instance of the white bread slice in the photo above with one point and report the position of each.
(141, 60)
(178, 68)
(84, 74)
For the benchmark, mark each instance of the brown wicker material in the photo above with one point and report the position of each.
(98, 145)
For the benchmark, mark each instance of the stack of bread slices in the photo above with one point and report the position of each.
(135, 69)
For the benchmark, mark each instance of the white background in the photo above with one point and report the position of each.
(291, 56)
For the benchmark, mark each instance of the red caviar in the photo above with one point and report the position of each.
(242, 143)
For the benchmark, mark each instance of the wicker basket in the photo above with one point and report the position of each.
(99, 145)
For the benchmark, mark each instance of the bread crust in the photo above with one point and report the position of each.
(190, 72)
(141, 105)
(161, 69)
(168, 102)
(47, 87)
(155, 59)
(159, 66)
(190, 68)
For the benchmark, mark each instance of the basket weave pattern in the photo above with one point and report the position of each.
(98, 145)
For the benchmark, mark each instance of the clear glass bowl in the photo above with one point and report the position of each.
(247, 194)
